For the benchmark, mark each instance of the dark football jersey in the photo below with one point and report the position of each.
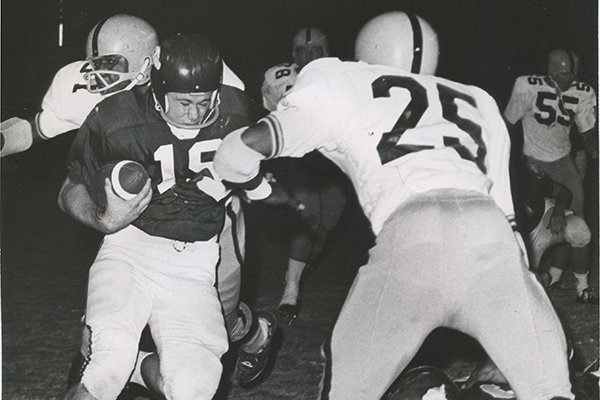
(188, 197)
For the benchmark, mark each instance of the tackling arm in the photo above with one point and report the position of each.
(18, 135)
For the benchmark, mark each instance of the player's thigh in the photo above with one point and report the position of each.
(118, 295)
(190, 336)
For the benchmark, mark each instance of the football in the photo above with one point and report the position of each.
(127, 179)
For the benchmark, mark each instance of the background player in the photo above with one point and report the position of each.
(119, 56)
(313, 180)
(429, 161)
(547, 107)
(548, 221)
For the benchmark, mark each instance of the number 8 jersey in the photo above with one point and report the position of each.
(395, 133)
(547, 115)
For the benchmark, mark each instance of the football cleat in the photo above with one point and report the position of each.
(252, 366)
(423, 383)
(588, 296)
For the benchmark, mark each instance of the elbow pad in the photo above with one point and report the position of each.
(17, 136)
(234, 161)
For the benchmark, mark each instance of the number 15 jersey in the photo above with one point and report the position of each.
(395, 133)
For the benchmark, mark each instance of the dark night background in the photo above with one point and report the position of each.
(483, 42)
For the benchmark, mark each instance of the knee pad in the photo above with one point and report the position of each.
(577, 233)
(196, 377)
(108, 361)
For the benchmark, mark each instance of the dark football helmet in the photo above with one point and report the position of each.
(188, 64)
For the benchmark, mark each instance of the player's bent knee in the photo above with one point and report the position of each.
(197, 379)
(79, 392)
(577, 233)
(109, 363)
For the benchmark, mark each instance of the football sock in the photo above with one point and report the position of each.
(257, 341)
(293, 276)
(555, 274)
(581, 282)
(136, 377)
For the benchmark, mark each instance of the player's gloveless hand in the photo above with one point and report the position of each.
(119, 213)
(280, 195)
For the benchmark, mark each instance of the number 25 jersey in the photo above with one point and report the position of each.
(395, 133)
(547, 116)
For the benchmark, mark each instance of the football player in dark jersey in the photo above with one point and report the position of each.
(157, 262)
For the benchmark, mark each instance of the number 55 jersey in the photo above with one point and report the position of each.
(395, 133)
(547, 114)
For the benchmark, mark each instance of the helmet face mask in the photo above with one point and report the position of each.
(401, 40)
(109, 73)
(309, 44)
(119, 51)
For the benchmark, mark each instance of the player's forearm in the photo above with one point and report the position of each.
(239, 164)
(590, 141)
(562, 195)
(75, 201)
(19, 134)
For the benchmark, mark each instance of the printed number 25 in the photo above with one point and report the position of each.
(388, 148)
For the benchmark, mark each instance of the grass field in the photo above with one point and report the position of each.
(45, 257)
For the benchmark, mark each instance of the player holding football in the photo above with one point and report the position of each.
(157, 263)
(119, 51)
(548, 106)
(312, 179)
(429, 161)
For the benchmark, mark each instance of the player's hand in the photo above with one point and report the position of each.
(557, 222)
(119, 213)
(280, 195)
(486, 371)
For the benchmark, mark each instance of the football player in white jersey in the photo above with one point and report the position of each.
(428, 158)
(119, 56)
(313, 180)
(547, 107)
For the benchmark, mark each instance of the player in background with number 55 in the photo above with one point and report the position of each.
(547, 106)
(428, 158)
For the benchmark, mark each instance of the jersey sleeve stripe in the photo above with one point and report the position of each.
(276, 135)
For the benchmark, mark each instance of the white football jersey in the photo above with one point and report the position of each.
(67, 103)
(278, 80)
(547, 115)
(395, 133)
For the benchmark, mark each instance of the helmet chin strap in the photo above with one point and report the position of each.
(141, 75)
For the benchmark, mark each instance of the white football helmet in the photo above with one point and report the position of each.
(309, 44)
(399, 39)
(119, 49)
